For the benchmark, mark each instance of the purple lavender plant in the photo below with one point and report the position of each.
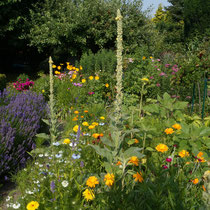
(20, 118)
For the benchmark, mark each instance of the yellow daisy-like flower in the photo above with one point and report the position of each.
(77, 69)
(66, 141)
(145, 79)
(95, 124)
(95, 135)
(74, 76)
(88, 194)
(161, 148)
(75, 128)
(76, 112)
(32, 205)
(134, 160)
(102, 118)
(195, 181)
(143, 58)
(57, 72)
(83, 80)
(151, 57)
(138, 177)
(184, 153)
(67, 63)
(80, 67)
(59, 67)
(90, 77)
(92, 181)
(106, 85)
(43, 91)
(169, 131)
(176, 126)
(91, 127)
(109, 179)
(54, 66)
(85, 124)
(96, 77)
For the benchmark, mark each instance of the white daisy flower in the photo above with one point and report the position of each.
(65, 183)
(16, 205)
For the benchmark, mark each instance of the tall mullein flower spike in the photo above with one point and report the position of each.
(119, 96)
(52, 104)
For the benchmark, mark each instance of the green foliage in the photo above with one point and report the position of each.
(22, 78)
(3, 81)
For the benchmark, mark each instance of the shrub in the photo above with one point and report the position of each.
(19, 122)
(2, 81)
(22, 78)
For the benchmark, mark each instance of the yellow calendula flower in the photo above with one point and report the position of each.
(80, 67)
(106, 85)
(74, 76)
(91, 127)
(32, 205)
(176, 126)
(76, 112)
(143, 58)
(57, 72)
(67, 63)
(151, 57)
(136, 141)
(95, 135)
(75, 128)
(77, 69)
(145, 79)
(95, 124)
(92, 181)
(90, 77)
(161, 148)
(138, 177)
(169, 131)
(85, 124)
(96, 77)
(88, 194)
(102, 118)
(83, 80)
(54, 66)
(43, 91)
(66, 141)
(184, 153)
(134, 160)
(109, 179)
(59, 67)
(195, 181)
(118, 163)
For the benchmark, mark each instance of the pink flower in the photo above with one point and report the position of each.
(90, 93)
(164, 166)
(158, 69)
(167, 65)
(151, 77)
(168, 160)
(173, 96)
(162, 74)
(158, 84)
(158, 59)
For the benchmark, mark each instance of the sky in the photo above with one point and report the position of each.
(147, 3)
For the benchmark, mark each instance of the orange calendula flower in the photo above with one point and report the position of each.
(109, 179)
(184, 153)
(76, 112)
(86, 111)
(101, 134)
(33, 205)
(118, 163)
(138, 177)
(134, 160)
(136, 141)
(106, 85)
(96, 77)
(161, 148)
(200, 157)
(66, 141)
(75, 119)
(169, 131)
(95, 124)
(176, 126)
(88, 194)
(143, 58)
(95, 135)
(91, 127)
(82, 116)
(92, 181)
(195, 181)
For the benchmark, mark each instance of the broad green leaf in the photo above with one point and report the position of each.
(43, 135)
(133, 151)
